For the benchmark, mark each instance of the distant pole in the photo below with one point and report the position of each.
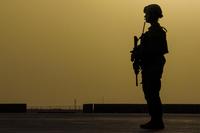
(75, 102)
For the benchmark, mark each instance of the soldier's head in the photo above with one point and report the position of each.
(152, 13)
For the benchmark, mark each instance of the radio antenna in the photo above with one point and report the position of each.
(143, 27)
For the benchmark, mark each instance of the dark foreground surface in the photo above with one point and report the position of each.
(93, 123)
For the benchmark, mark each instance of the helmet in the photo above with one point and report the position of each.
(153, 9)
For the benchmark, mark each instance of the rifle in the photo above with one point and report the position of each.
(136, 68)
(134, 56)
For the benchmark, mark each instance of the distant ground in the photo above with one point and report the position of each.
(92, 123)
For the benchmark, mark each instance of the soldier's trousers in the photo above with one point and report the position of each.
(151, 82)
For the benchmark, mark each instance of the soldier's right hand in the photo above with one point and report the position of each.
(136, 67)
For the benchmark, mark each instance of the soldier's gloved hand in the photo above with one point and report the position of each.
(132, 56)
(134, 53)
(136, 67)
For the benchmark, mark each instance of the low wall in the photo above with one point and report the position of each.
(139, 108)
(12, 108)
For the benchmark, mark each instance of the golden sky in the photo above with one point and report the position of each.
(55, 51)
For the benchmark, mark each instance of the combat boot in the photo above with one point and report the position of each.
(154, 125)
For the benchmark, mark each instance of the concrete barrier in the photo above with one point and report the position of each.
(139, 108)
(119, 108)
(88, 108)
(13, 108)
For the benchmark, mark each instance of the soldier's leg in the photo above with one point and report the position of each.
(151, 88)
(154, 101)
(151, 92)
(152, 97)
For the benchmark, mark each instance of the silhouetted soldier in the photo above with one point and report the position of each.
(149, 57)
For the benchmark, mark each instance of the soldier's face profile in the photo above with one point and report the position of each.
(149, 18)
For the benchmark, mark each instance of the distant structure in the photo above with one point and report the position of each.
(75, 104)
